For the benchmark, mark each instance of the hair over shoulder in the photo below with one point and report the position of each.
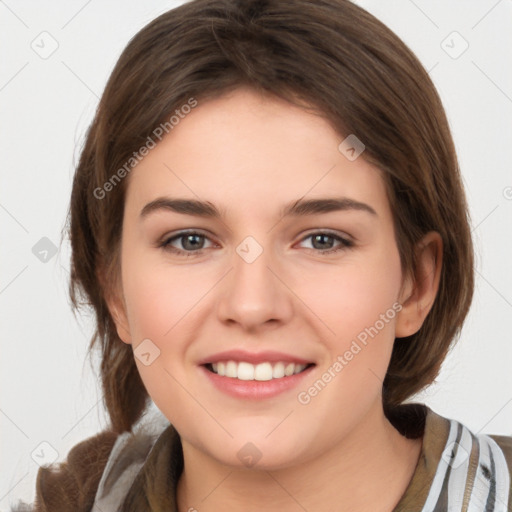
(71, 486)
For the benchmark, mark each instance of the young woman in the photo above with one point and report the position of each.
(269, 222)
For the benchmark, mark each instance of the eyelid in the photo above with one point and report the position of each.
(331, 232)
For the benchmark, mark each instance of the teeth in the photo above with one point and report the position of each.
(231, 369)
(245, 371)
(278, 371)
(262, 371)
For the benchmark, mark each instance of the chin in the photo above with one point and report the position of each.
(258, 453)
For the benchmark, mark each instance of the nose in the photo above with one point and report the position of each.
(254, 294)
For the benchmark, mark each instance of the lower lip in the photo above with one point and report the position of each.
(255, 389)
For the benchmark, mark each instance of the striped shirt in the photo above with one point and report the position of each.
(459, 470)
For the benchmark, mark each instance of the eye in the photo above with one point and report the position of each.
(323, 240)
(192, 243)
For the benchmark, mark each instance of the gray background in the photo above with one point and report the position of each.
(49, 394)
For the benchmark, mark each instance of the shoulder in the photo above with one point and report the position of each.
(97, 471)
(474, 468)
(126, 459)
(459, 468)
(504, 444)
(71, 485)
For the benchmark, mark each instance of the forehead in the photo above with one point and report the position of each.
(244, 151)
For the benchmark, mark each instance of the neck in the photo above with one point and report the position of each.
(366, 471)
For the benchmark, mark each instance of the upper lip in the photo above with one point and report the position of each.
(253, 357)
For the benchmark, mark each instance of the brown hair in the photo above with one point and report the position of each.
(329, 54)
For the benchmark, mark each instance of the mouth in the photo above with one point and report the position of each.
(255, 375)
(265, 371)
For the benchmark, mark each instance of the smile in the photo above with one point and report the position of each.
(261, 372)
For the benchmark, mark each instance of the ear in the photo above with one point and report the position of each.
(117, 308)
(419, 291)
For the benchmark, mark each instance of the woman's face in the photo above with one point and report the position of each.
(318, 286)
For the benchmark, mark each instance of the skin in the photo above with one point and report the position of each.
(249, 155)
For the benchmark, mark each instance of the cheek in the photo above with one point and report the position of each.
(157, 296)
(352, 296)
(159, 302)
(358, 303)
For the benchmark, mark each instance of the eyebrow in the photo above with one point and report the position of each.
(297, 208)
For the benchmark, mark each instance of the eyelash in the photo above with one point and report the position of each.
(165, 244)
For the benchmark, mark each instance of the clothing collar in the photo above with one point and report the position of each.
(454, 468)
